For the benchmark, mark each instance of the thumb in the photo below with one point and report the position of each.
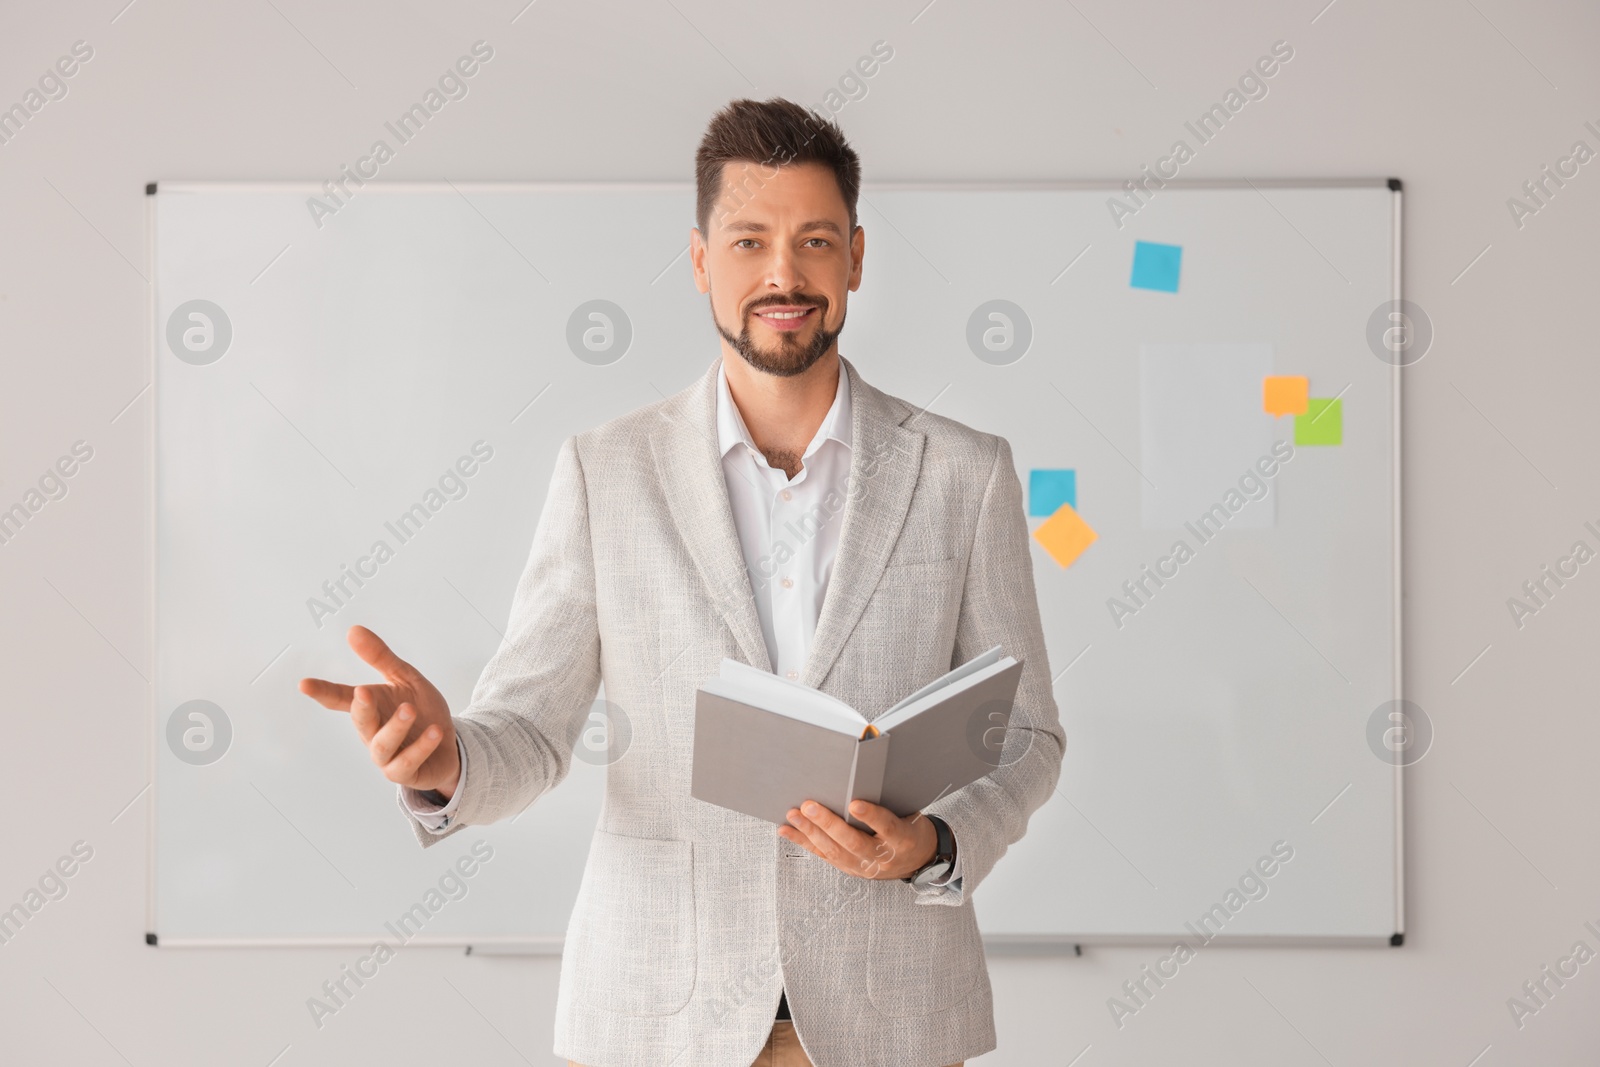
(371, 648)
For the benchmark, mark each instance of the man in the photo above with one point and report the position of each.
(783, 512)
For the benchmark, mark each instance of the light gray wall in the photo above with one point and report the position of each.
(1464, 100)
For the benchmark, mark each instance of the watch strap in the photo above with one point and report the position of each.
(943, 850)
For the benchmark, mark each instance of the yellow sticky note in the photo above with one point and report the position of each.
(1285, 394)
(1065, 535)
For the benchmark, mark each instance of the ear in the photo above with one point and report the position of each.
(697, 259)
(858, 249)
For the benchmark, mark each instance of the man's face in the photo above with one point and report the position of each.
(778, 260)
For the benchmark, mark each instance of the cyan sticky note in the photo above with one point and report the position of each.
(1048, 490)
(1156, 266)
(1322, 424)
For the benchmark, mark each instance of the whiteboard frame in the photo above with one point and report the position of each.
(1003, 944)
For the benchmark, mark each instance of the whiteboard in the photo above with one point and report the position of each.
(315, 383)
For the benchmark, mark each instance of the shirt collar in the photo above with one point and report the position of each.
(732, 431)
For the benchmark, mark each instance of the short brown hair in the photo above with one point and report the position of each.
(773, 133)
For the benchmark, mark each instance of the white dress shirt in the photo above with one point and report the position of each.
(789, 534)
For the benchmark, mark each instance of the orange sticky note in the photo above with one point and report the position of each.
(1065, 535)
(1285, 394)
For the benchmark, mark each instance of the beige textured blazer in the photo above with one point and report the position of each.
(690, 917)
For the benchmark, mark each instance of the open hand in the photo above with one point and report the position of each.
(900, 847)
(405, 722)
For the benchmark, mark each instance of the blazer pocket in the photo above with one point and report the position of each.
(631, 942)
(922, 561)
(921, 959)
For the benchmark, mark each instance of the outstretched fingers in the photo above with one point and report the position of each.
(328, 694)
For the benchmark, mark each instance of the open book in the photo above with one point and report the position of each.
(763, 744)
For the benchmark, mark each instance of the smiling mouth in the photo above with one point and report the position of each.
(787, 317)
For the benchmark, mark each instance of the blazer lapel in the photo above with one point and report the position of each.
(885, 461)
(689, 468)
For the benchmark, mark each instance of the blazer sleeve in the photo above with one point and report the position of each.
(999, 606)
(534, 695)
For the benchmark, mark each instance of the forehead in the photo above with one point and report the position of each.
(797, 196)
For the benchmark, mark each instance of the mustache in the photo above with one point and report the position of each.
(794, 301)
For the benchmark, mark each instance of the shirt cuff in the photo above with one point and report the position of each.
(429, 807)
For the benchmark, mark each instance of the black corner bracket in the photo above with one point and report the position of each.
(149, 939)
(150, 189)
(1394, 185)
(1396, 940)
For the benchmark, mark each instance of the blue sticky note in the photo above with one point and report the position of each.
(1048, 490)
(1156, 266)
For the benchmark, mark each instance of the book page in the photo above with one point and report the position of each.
(931, 696)
(978, 662)
(763, 689)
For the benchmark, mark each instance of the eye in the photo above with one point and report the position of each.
(822, 240)
(744, 240)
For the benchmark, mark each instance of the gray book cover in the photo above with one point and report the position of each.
(762, 762)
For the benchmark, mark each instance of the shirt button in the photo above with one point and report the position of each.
(794, 674)
(788, 583)
(786, 494)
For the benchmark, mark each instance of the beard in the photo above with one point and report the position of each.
(789, 355)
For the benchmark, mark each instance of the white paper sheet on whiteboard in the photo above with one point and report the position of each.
(1201, 428)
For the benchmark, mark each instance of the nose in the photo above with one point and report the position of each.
(783, 271)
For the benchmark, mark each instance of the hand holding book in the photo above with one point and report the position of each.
(763, 744)
(896, 848)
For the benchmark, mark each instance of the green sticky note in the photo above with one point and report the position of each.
(1322, 424)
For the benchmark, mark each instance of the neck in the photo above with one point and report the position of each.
(782, 414)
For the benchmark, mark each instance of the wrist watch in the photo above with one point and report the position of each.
(944, 857)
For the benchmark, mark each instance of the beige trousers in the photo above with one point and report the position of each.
(781, 1050)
